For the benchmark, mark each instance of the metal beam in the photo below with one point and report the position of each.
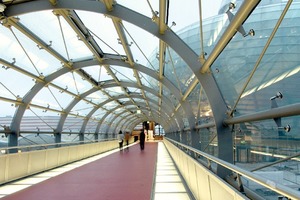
(53, 2)
(162, 16)
(108, 4)
(284, 111)
(242, 14)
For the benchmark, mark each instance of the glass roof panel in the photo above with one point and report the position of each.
(134, 90)
(124, 114)
(74, 48)
(114, 91)
(141, 43)
(111, 117)
(52, 98)
(82, 108)
(39, 24)
(63, 38)
(96, 97)
(10, 88)
(111, 105)
(152, 96)
(148, 81)
(189, 13)
(139, 100)
(99, 113)
(102, 31)
(72, 82)
(123, 74)
(140, 6)
(118, 111)
(98, 73)
(22, 51)
(178, 72)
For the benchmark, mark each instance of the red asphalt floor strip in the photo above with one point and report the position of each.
(124, 175)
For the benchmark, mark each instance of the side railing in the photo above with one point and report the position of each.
(33, 159)
(196, 168)
(35, 147)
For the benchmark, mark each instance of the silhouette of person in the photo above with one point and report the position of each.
(127, 136)
(142, 140)
(120, 139)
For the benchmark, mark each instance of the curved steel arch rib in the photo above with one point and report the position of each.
(118, 11)
(108, 60)
(89, 115)
(162, 121)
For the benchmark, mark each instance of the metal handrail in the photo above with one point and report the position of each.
(60, 144)
(276, 187)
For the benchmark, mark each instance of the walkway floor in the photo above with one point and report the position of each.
(121, 175)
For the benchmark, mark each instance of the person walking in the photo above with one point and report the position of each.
(142, 140)
(120, 139)
(127, 136)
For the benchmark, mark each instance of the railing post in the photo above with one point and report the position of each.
(240, 183)
(13, 142)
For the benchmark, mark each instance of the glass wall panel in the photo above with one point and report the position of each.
(266, 141)
(7, 111)
(39, 122)
(168, 94)
(91, 126)
(209, 141)
(73, 124)
(234, 65)
(194, 101)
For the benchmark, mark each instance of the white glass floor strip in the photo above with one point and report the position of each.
(168, 183)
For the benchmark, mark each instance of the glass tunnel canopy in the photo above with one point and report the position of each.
(97, 67)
